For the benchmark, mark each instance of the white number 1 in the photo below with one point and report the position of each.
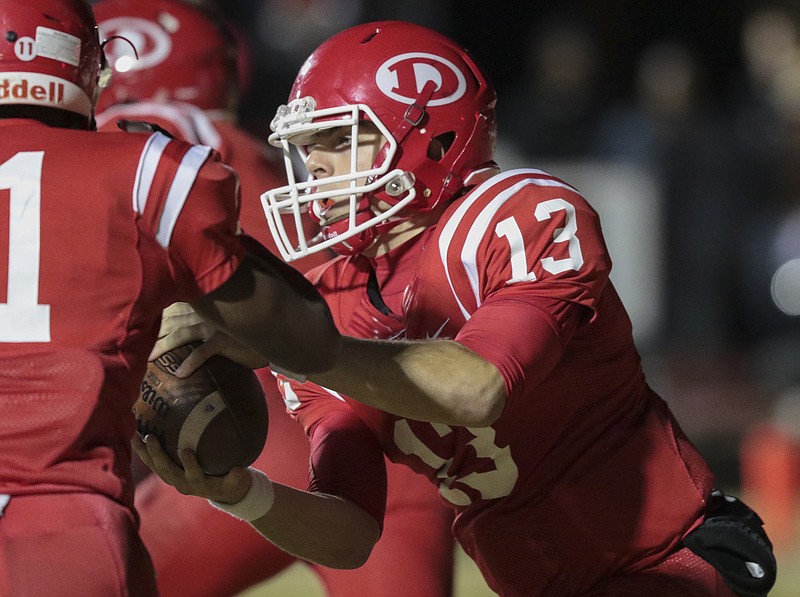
(22, 318)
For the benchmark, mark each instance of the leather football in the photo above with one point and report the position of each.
(219, 411)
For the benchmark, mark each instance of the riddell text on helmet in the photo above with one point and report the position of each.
(21, 90)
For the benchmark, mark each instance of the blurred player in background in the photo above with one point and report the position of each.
(486, 348)
(98, 233)
(186, 80)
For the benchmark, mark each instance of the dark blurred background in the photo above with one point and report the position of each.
(680, 121)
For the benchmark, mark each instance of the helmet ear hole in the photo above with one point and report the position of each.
(439, 145)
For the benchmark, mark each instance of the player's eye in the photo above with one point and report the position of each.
(342, 142)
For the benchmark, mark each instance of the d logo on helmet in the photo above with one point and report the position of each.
(152, 43)
(403, 77)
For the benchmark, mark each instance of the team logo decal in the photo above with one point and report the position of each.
(152, 43)
(402, 78)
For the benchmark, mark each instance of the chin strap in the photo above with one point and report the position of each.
(415, 114)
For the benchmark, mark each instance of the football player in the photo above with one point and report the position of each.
(486, 348)
(98, 233)
(176, 65)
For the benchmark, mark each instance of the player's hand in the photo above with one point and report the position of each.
(180, 325)
(191, 480)
(180, 318)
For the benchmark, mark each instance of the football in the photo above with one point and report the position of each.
(219, 411)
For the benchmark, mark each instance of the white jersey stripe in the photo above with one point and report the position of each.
(480, 224)
(449, 230)
(187, 172)
(146, 171)
(469, 253)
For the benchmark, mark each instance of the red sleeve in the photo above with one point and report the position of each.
(522, 334)
(346, 459)
(523, 229)
(206, 236)
(188, 201)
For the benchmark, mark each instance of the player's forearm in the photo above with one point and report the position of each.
(440, 381)
(322, 528)
(319, 528)
(275, 312)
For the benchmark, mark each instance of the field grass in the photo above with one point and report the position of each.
(298, 581)
(788, 584)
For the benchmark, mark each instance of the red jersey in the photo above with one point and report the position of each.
(98, 233)
(586, 474)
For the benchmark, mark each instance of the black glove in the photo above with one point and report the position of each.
(733, 540)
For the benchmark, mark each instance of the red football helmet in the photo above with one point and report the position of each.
(168, 50)
(50, 55)
(418, 87)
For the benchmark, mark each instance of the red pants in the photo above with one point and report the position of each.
(67, 544)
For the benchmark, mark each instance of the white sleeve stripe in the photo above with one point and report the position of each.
(449, 230)
(479, 225)
(469, 253)
(179, 190)
(146, 171)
